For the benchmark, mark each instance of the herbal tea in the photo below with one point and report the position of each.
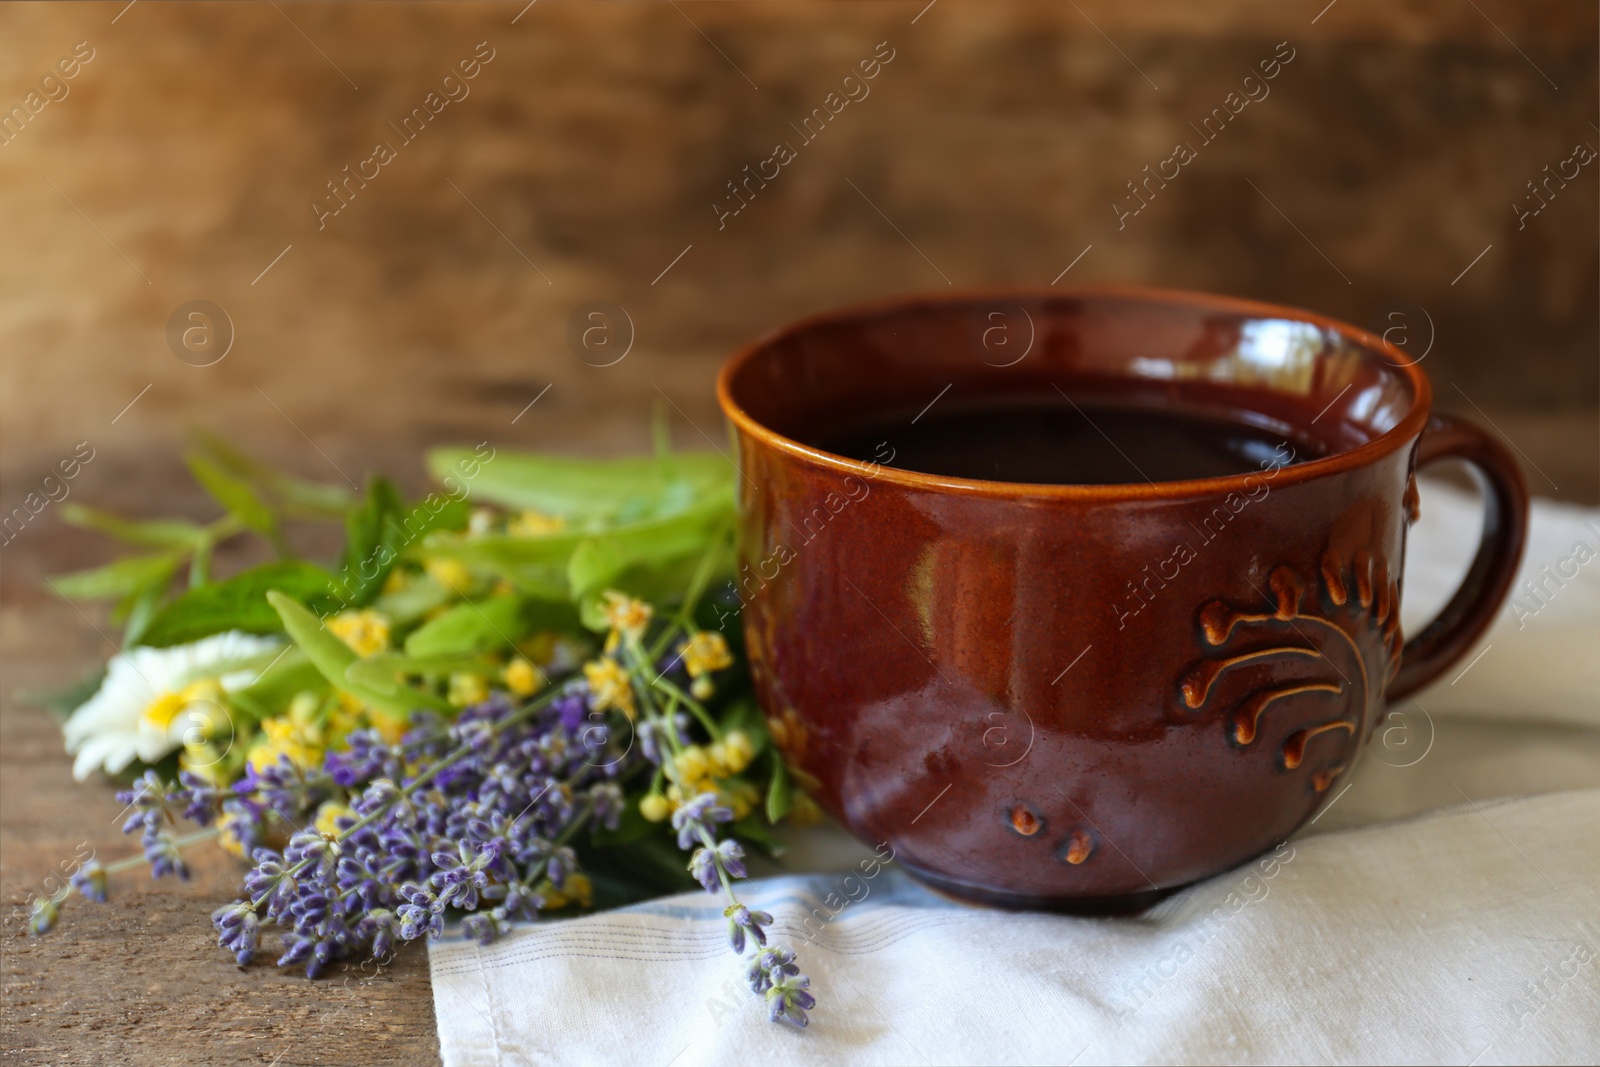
(1087, 441)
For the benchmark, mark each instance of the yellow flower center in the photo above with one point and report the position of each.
(165, 709)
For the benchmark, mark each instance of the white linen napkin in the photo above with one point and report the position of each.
(1445, 907)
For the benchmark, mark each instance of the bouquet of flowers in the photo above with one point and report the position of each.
(515, 696)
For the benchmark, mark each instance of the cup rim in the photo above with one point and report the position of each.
(1403, 432)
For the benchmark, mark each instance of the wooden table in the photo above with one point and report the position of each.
(140, 980)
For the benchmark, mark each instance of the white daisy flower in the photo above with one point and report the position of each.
(152, 697)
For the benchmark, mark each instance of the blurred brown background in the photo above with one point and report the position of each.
(1376, 180)
(599, 136)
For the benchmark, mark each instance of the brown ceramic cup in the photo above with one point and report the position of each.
(1070, 695)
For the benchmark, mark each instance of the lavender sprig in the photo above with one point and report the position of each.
(715, 864)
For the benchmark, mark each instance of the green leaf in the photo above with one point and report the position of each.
(129, 575)
(298, 499)
(473, 626)
(141, 609)
(780, 793)
(270, 694)
(382, 527)
(385, 674)
(239, 497)
(332, 657)
(371, 542)
(589, 493)
(577, 566)
(419, 596)
(152, 533)
(239, 603)
(536, 566)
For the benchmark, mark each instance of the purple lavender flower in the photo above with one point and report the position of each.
(563, 861)
(608, 804)
(310, 845)
(419, 914)
(246, 822)
(316, 951)
(199, 796)
(788, 1000)
(270, 883)
(703, 867)
(740, 919)
(732, 855)
(238, 929)
(368, 757)
(161, 849)
(768, 965)
(697, 817)
(381, 926)
(91, 882)
(485, 926)
(572, 707)
(43, 915)
(149, 800)
(458, 876)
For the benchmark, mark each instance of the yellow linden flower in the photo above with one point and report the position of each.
(450, 573)
(577, 888)
(281, 737)
(328, 814)
(202, 758)
(390, 727)
(296, 734)
(706, 652)
(522, 677)
(535, 524)
(397, 580)
(467, 689)
(626, 615)
(692, 765)
(609, 685)
(654, 807)
(737, 751)
(366, 631)
(344, 716)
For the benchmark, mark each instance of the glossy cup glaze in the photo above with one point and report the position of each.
(1086, 695)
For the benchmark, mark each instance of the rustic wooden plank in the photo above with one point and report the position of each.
(140, 980)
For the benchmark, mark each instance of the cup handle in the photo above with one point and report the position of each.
(1505, 532)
